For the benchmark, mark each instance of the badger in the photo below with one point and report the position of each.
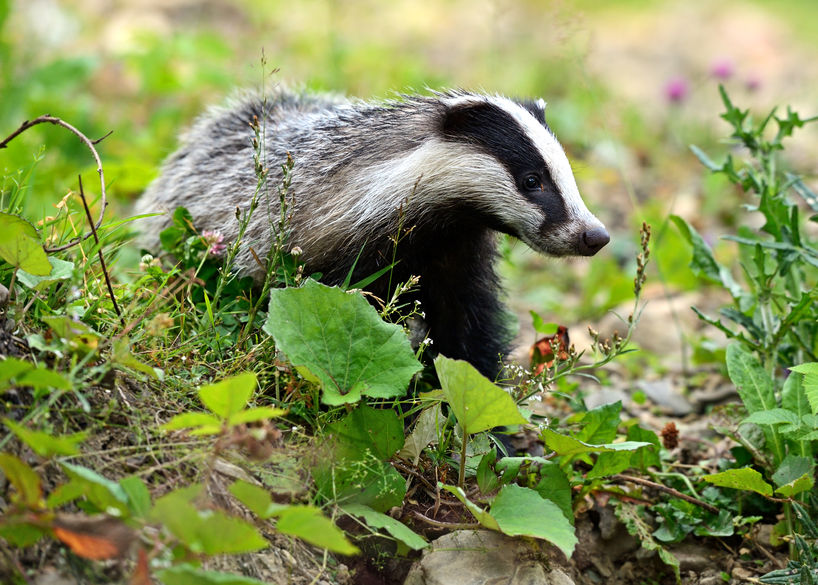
(451, 169)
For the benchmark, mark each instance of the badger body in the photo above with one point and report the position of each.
(450, 169)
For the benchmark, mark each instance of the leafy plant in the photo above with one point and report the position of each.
(773, 317)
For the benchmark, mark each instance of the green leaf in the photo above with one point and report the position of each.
(100, 491)
(310, 525)
(139, 498)
(203, 423)
(20, 246)
(25, 482)
(746, 478)
(554, 485)
(190, 575)
(230, 396)
(42, 378)
(753, 382)
(482, 516)
(703, 263)
(44, 444)
(366, 428)
(794, 475)
(540, 326)
(521, 511)
(342, 340)
(207, 531)
(256, 498)
(566, 446)
(704, 159)
(774, 416)
(428, 428)
(476, 402)
(397, 529)
(646, 456)
(60, 270)
(599, 425)
(610, 463)
(810, 381)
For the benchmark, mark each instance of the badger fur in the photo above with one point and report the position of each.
(454, 168)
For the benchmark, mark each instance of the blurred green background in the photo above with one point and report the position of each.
(630, 85)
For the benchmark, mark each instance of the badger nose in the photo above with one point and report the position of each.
(592, 241)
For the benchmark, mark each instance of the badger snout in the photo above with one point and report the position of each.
(593, 240)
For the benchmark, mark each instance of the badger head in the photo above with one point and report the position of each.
(511, 167)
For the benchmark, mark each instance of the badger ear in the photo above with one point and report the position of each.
(465, 118)
(537, 109)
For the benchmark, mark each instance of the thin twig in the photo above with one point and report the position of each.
(90, 144)
(447, 525)
(668, 490)
(99, 253)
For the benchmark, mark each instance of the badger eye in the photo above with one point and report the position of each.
(532, 182)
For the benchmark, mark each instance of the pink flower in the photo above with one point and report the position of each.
(214, 241)
(722, 69)
(676, 90)
(752, 83)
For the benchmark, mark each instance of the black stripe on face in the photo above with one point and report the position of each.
(495, 131)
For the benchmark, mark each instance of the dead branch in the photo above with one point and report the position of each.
(90, 144)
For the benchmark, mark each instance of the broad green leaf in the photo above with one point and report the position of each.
(774, 416)
(310, 525)
(541, 326)
(204, 531)
(190, 575)
(256, 498)
(366, 428)
(610, 463)
(599, 424)
(428, 427)
(342, 340)
(746, 478)
(24, 480)
(231, 395)
(20, 246)
(521, 511)
(42, 378)
(554, 485)
(20, 533)
(483, 517)
(378, 520)
(794, 475)
(139, 498)
(644, 457)
(810, 373)
(201, 422)
(100, 491)
(359, 477)
(477, 403)
(566, 446)
(754, 384)
(44, 444)
(60, 270)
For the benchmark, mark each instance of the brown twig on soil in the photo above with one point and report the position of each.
(447, 525)
(99, 253)
(668, 490)
(103, 201)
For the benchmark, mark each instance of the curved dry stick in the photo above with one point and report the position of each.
(90, 144)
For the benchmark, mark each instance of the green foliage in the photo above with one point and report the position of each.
(342, 341)
(227, 401)
(773, 311)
